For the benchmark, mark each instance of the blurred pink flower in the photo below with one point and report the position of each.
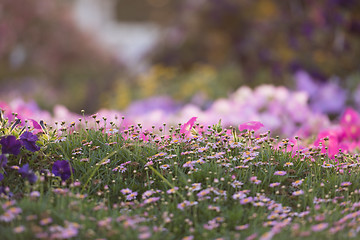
(186, 128)
(332, 142)
(252, 125)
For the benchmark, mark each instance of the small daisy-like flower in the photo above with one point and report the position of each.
(199, 161)
(8, 204)
(147, 194)
(242, 227)
(182, 205)
(257, 181)
(151, 200)
(111, 131)
(195, 187)
(236, 184)
(203, 193)
(246, 200)
(69, 232)
(172, 190)
(275, 184)
(189, 164)
(280, 173)
(288, 164)
(327, 165)
(45, 221)
(165, 166)
(125, 191)
(15, 210)
(19, 229)
(188, 237)
(216, 208)
(252, 236)
(131, 196)
(104, 222)
(297, 183)
(150, 163)
(239, 195)
(267, 236)
(297, 193)
(34, 194)
(258, 204)
(103, 162)
(253, 179)
(345, 184)
(202, 149)
(144, 235)
(7, 217)
(319, 227)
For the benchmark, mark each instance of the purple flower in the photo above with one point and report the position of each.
(62, 169)
(27, 173)
(280, 173)
(1, 177)
(29, 141)
(3, 160)
(10, 145)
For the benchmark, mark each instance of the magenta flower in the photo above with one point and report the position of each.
(10, 145)
(332, 143)
(186, 128)
(62, 169)
(37, 127)
(252, 125)
(350, 117)
(350, 122)
(29, 141)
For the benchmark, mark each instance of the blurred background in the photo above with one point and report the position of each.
(92, 54)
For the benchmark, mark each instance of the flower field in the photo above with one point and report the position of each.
(106, 176)
(179, 120)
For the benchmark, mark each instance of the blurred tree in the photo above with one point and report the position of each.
(266, 37)
(159, 11)
(41, 45)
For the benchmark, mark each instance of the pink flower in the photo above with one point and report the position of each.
(252, 125)
(186, 128)
(350, 117)
(332, 142)
(350, 121)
